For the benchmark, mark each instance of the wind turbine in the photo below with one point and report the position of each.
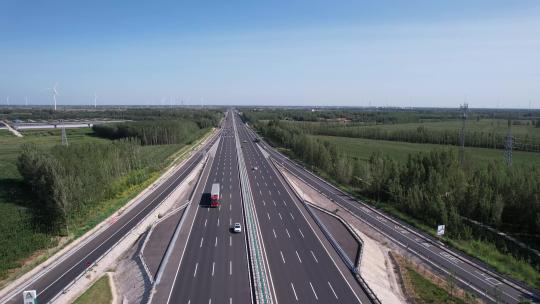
(95, 100)
(7, 100)
(54, 93)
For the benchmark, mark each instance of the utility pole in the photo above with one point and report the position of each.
(464, 109)
(508, 144)
(64, 135)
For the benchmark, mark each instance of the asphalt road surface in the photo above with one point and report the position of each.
(70, 266)
(214, 267)
(468, 272)
(302, 271)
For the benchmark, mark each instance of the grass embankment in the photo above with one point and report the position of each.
(484, 251)
(362, 149)
(22, 246)
(99, 293)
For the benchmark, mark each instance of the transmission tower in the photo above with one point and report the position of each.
(64, 136)
(508, 144)
(464, 109)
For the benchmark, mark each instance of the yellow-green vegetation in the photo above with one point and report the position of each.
(504, 263)
(362, 149)
(99, 293)
(427, 292)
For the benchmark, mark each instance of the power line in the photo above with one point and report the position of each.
(64, 135)
(508, 144)
(464, 109)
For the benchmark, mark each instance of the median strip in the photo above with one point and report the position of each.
(258, 262)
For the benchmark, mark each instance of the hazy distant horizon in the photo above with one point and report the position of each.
(306, 53)
(111, 105)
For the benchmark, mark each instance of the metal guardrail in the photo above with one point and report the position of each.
(257, 259)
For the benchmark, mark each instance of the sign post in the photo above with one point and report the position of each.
(29, 297)
(440, 230)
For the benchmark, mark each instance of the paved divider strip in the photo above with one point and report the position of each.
(257, 257)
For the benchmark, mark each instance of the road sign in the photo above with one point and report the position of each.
(29, 297)
(440, 230)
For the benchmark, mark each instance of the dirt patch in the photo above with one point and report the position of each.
(132, 284)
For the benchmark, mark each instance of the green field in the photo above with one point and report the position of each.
(99, 293)
(362, 149)
(497, 126)
(20, 240)
(521, 129)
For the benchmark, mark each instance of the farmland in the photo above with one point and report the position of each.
(362, 149)
(520, 128)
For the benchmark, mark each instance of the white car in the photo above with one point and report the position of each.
(237, 228)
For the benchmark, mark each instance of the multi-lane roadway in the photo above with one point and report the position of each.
(302, 270)
(214, 264)
(469, 273)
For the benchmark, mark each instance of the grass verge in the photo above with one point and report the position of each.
(422, 286)
(99, 293)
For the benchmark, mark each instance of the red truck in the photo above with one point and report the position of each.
(214, 196)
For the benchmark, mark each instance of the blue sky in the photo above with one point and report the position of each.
(353, 53)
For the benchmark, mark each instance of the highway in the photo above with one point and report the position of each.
(52, 281)
(214, 266)
(302, 270)
(468, 272)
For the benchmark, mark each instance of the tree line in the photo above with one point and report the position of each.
(377, 116)
(421, 134)
(68, 180)
(431, 187)
(203, 117)
(151, 132)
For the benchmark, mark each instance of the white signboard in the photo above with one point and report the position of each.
(440, 230)
(29, 297)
